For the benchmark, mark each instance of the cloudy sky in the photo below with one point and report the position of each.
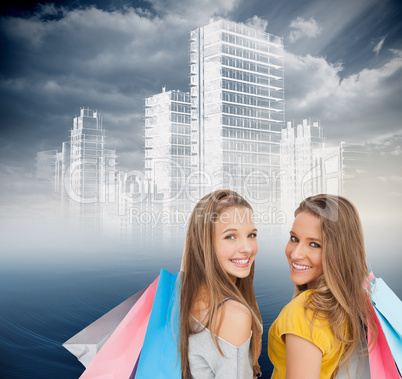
(343, 66)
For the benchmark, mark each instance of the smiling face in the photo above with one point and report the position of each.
(235, 241)
(304, 249)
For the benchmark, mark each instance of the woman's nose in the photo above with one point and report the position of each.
(245, 246)
(297, 252)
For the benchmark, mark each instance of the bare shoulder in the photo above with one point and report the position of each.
(236, 323)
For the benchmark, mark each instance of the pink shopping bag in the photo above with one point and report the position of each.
(382, 364)
(119, 354)
(87, 343)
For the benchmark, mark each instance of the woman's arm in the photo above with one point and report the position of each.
(303, 358)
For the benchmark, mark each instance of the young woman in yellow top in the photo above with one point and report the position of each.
(316, 333)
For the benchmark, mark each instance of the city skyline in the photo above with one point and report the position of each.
(352, 85)
(227, 132)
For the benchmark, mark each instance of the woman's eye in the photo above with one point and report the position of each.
(230, 237)
(294, 239)
(253, 235)
(313, 244)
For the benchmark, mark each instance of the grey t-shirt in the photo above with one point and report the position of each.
(206, 362)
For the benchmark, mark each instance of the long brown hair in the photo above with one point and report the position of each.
(201, 269)
(340, 292)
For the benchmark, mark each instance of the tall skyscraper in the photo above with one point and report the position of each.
(84, 172)
(91, 167)
(167, 161)
(168, 145)
(237, 101)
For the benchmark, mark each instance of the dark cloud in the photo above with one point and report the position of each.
(110, 56)
(103, 60)
(358, 107)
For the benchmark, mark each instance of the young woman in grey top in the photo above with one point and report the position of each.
(220, 323)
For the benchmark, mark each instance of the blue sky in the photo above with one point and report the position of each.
(343, 65)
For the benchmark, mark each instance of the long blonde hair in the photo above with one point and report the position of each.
(201, 269)
(340, 293)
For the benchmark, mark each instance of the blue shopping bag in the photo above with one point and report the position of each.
(160, 358)
(388, 308)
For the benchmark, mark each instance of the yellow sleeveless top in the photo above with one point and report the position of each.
(296, 319)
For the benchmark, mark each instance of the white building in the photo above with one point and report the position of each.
(237, 109)
(167, 160)
(167, 143)
(298, 166)
(308, 167)
(84, 173)
(89, 176)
